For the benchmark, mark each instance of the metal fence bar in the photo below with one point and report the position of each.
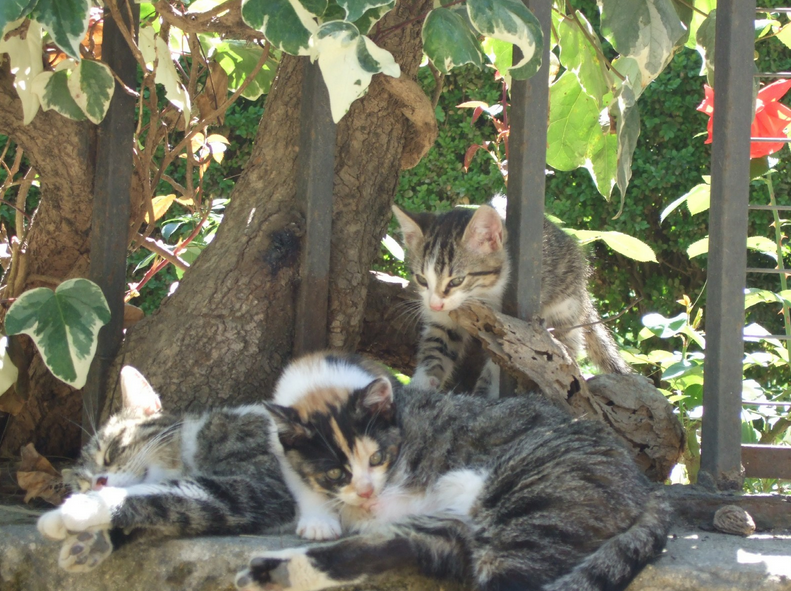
(769, 207)
(769, 271)
(771, 139)
(316, 170)
(111, 208)
(527, 146)
(730, 176)
(772, 75)
(766, 461)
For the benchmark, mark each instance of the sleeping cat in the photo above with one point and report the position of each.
(460, 256)
(498, 494)
(147, 471)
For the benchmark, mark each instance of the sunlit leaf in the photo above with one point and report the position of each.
(155, 50)
(448, 42)
(63, 324)
(160, 205)
(763, 245)
(663, 327)
(699, 198)
(52, 89)
(698, 247)
(237, 59)
(8, 371)
(92, 85)
(65, 20)
(26, 64)
(287, 25)
(583, 58)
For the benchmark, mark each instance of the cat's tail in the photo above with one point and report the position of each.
(620, 559)
(601, 347)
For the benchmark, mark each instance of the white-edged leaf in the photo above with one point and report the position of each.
(92, 85)
(348, 61)
(355, 9)
(156, 50)
(65, 20)
(671, 208)
(698, 248)
(52, 89)
(63, 324)
(448, 41)
(12, 10)
(704, 43)
(8, 371)
(286, 24)
(366, 22)
(26, 64)
(511, 21)
(664, 327)
(699, 198)
(627, 118)
(580, 56)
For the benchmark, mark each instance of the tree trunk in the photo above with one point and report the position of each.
(225, 334)
(56, 246)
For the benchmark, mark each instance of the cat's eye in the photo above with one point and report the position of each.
(334, 474)
(456, 281)
(421, 280)
(376, 458)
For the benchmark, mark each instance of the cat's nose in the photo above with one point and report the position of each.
(365, 491)
(437, 305)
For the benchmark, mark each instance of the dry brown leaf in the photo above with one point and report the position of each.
(38, 478)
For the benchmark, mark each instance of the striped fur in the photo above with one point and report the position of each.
(150, 472)
(507, 494)
(460, 256)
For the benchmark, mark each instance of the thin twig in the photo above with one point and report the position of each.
(161, 249)
(439, 81)
(688, 5)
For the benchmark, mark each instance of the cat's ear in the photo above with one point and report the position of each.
(137, 393)
(289, 426)
(484, 232)
(377, 398)
(410, 227)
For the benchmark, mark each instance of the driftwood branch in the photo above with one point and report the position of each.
(629, 404)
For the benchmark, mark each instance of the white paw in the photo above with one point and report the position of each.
(81, 512)
(83, 552)
(286, 570)
(51, 526)
(319, 527)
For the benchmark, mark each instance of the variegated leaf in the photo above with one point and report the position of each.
(366, 22)
(448, 41)
(52, 89)
(8, 371)
(355, 9)
(65, 20)
(627, 117)
(92, 85)
(348, 61)
(26, 64)
(647, 30)
(286, 24)
(580, 56)
(12, 10)
(511, 21)
(63, 324)
(704, 43)
(154, 49)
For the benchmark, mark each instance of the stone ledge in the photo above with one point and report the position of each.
(694, 560)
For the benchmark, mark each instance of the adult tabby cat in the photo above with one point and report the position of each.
(147, 471)
(499, 494)
(460, 256)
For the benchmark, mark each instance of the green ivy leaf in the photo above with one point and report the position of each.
(11, 10)
(663, 327)
(573, 123)
(581, 57)
(63, 324)
(91, 85)
(26, 64)
(348, 61)
(53, 91)
(237, 59)
(355, 9)
(65, 20)
(286, 24)
(448, 41)
(511, 21)
(705, 7)
(647, 30)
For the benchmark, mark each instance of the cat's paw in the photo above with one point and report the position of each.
(286, 570)
(423, 381)
(82, 512)
(51, 526)
(319, 527)
(83, 552)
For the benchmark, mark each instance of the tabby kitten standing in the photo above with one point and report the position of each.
(460, 256)
(149, 471)
(498, 494)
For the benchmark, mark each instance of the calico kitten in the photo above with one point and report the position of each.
(497, 494)
(460, 256)
(147, 471)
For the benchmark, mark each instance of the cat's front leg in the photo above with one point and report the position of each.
(285, 570)
(319, 526)
(81, 512)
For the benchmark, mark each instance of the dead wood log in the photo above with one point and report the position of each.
(629, 404)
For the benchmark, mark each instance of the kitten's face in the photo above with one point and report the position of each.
(456, 257)
(346, 449)
(133, 447)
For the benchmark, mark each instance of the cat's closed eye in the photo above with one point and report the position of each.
(376, 458)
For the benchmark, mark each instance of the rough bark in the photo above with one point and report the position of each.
(57, 246)
(227, 331)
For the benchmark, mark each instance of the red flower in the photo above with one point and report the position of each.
(771, 117)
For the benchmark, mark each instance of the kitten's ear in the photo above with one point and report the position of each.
(410, 227)
(289, 426)
(484, 231)
(137, 393)
(377, 398)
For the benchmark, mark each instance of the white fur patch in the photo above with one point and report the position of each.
(457, 491)
(311, 373)
(189, 440)
(296, 573)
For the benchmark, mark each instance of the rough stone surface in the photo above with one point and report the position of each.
(694, 560)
